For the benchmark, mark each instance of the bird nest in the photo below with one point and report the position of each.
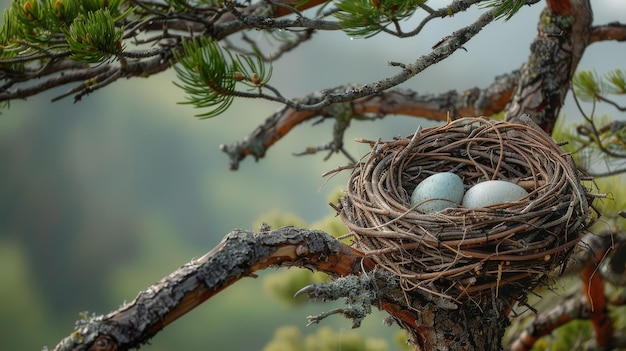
(467, 253)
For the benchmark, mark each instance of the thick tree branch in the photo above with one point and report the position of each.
(473, 102)
(562, 36)
(239, 255)
(612, 31)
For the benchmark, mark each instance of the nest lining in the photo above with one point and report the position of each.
(463, 253)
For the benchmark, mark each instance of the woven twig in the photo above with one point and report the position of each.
(466, 253)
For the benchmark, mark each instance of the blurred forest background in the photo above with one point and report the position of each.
(102, 198)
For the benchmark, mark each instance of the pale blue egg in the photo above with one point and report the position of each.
(438, 192)
(492, 192)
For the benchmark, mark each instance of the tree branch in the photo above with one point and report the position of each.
(611, 31)
(562, 35)
(239, 255)
(447, 47)
(473, 102)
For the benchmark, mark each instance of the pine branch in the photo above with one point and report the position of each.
(313, 105)
(239, 255)
(67, 71)
(341, 94)
(563, 34)
(447, 47)
(161, 28)
(611, 31)
(473, 102)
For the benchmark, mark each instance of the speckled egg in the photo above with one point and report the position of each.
(438, 192)
(492, 192)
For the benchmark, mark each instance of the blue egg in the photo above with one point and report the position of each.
(438, 192)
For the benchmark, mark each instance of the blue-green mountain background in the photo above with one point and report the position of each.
(102, 198)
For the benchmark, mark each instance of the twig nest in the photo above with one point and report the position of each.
(461, 253)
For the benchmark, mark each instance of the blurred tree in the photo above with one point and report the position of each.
(92, 44)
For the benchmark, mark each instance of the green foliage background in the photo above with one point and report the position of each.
(100, 199)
